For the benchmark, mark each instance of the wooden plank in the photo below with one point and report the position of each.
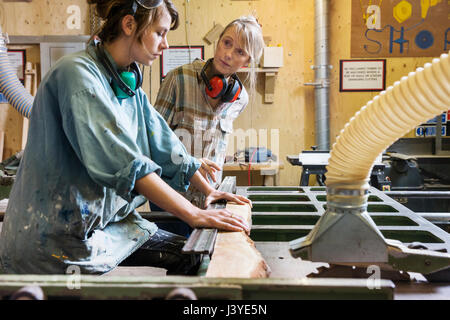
(237, 166)
(3, 206)
(214, 33)
(235, 254)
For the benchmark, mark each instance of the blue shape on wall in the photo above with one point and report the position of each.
(424, 39)
(400, 41)
(446, 39)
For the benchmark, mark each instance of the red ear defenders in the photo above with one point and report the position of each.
(219, 87)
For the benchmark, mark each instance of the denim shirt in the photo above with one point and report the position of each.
(73, 203)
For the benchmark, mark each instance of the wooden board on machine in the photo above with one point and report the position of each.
(235, 254)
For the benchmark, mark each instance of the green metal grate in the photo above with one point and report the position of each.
(282, 214)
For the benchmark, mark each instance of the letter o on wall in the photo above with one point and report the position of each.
(424, 39)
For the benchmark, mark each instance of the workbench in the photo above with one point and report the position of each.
(318, 168)
(269, 170)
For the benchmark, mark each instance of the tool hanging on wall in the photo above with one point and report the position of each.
(30, 78)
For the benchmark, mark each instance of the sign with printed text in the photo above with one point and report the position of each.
(176, 56)
(429, 131)
(362, 75)
(406, 28)
(434, 120)
(17, 60)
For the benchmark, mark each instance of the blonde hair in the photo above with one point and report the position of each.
(249, 30)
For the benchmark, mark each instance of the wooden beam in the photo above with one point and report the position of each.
(235, 254)
(214, 33)
(243, 166)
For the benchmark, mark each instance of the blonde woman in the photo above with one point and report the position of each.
(96, 151)
(201, 100)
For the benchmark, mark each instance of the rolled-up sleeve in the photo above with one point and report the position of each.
(112, 158)
(168, 151)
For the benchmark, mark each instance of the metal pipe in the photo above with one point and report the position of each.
(435, 216)
(322, 76)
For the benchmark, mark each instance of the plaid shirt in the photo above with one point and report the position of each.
(182, 101)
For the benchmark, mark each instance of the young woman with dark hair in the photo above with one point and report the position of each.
(96, 151)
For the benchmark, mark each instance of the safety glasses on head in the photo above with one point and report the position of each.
(149, 4)
(146, 4)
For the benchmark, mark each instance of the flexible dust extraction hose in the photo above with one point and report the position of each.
(411, 101)
(346, 233)
(10, 85)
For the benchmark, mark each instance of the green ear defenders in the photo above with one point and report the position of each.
(127, 82)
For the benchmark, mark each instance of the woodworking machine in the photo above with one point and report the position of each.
(292, 214)
(280, 217)
(280, 214)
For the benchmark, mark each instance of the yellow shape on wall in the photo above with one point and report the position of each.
(402, 11)
(427, 4)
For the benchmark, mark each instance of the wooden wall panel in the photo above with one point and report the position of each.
(42, 17)
(289, 23)
(420, 27)
(36, 18)
(343, 105)
(11, 122)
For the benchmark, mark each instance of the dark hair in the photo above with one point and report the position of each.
(112, 12)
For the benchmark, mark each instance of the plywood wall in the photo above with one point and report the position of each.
(11, 121)
(36, 18)
(289, 23)
(43, 17)
(343, 105)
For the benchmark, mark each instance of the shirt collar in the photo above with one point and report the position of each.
(91, 50)
(198, 66)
